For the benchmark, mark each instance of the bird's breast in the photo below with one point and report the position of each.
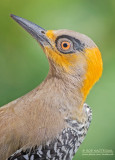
(64, 146)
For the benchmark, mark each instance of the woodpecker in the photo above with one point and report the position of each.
(51, 121)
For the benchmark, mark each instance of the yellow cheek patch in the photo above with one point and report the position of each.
(62, 60)
(94, 69)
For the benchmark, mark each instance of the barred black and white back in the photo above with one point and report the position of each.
(63, 147)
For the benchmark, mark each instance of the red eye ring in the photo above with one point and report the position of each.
(65, 45)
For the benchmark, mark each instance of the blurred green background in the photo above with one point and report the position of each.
(23, 64)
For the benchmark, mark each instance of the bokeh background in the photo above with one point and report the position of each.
(23, 64)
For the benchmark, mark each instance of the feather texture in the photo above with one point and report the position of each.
(63, 147)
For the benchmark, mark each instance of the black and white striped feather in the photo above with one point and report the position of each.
(63, 147)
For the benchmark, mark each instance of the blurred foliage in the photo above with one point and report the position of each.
(23, 64)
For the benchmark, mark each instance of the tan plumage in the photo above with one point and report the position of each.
(28, 117)
(40, 115)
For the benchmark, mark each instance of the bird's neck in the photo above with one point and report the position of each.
(94, 70)
(70, 89)
(64, 92)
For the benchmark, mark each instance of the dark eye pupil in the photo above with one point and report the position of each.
(65, 45)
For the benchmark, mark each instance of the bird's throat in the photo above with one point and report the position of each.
(72, 88)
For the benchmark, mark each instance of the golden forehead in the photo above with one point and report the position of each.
(51, 35)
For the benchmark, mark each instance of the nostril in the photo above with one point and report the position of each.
(42, 32)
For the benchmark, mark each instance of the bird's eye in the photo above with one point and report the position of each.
(68, 45)
(65, 45)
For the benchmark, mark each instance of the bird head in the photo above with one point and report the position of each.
(70, 54)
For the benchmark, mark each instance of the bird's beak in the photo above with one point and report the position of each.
(36, 31)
